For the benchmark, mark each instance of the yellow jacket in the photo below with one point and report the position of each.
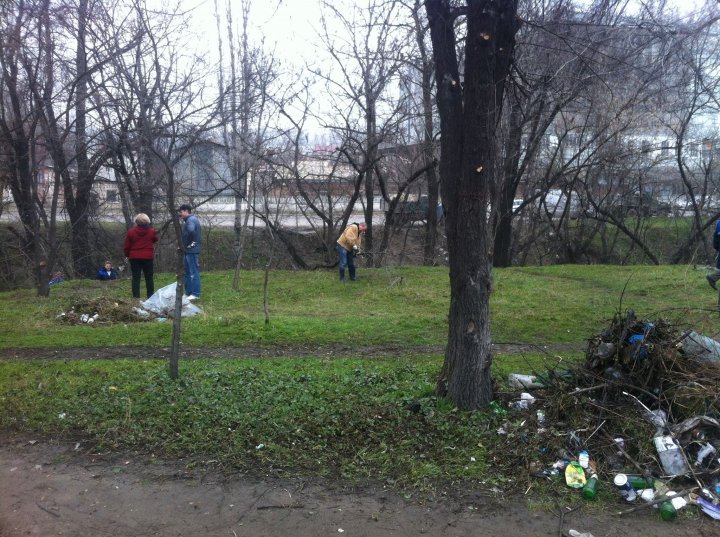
(350, 237)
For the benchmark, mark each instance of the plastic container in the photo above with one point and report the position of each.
(627, 491)
(671, 458)
(584, 459)
(589, 491)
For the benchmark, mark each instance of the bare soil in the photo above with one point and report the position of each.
(56, 488)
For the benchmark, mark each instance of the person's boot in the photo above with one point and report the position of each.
(712, 280)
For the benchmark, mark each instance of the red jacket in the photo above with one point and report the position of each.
(140, 242)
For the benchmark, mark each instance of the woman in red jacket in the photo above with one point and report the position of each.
(139, 248)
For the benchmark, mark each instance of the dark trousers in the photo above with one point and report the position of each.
(346, 259)
(144, 266)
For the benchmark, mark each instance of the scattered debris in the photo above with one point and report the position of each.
(641, 413)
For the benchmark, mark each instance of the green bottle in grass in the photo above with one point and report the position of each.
(589, 491)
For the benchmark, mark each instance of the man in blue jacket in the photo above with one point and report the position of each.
(191, 240)
(715, 276)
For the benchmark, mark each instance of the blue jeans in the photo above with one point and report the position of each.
(346, 259)
(192, 274)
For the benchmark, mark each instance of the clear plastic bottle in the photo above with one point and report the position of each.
(671, 457)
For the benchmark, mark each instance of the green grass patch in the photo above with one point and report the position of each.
(405, 306)
(351, 418)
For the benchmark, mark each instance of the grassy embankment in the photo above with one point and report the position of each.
(326, 415)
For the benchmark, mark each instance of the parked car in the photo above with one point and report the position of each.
(640, 205)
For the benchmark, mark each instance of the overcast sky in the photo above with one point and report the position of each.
(289, 26)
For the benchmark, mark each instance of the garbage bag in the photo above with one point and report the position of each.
(162, 302)
(700, 346)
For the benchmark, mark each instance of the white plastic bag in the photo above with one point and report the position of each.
(701, 346)
(163, 303)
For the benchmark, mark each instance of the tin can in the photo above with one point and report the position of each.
(627, 491)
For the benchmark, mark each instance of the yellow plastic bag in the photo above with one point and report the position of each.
(575, 475)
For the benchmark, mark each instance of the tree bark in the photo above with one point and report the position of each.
(469, 114)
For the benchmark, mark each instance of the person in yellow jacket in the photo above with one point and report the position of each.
(348, 246)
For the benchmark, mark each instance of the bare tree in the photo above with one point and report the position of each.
(62, 100)
(22, 140)
(367, 53)
(469, 109)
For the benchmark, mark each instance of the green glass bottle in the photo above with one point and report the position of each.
(589, 491)
(639, 482)
(667, 511)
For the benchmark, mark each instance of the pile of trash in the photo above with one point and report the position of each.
(98, 311)
(639, 417)
(104, 310)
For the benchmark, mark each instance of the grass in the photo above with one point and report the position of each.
(352, 417)
(346, 417)
(396, 306)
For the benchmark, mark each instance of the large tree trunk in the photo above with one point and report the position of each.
(468, 122)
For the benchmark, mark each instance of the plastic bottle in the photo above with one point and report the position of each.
(707, 449)
(584, 458)
(671, 458)
(589, 491)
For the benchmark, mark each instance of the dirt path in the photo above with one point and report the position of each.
(50, 488)
(250, 351)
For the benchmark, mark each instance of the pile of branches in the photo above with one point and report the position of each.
(103, 310)
(639, 379)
